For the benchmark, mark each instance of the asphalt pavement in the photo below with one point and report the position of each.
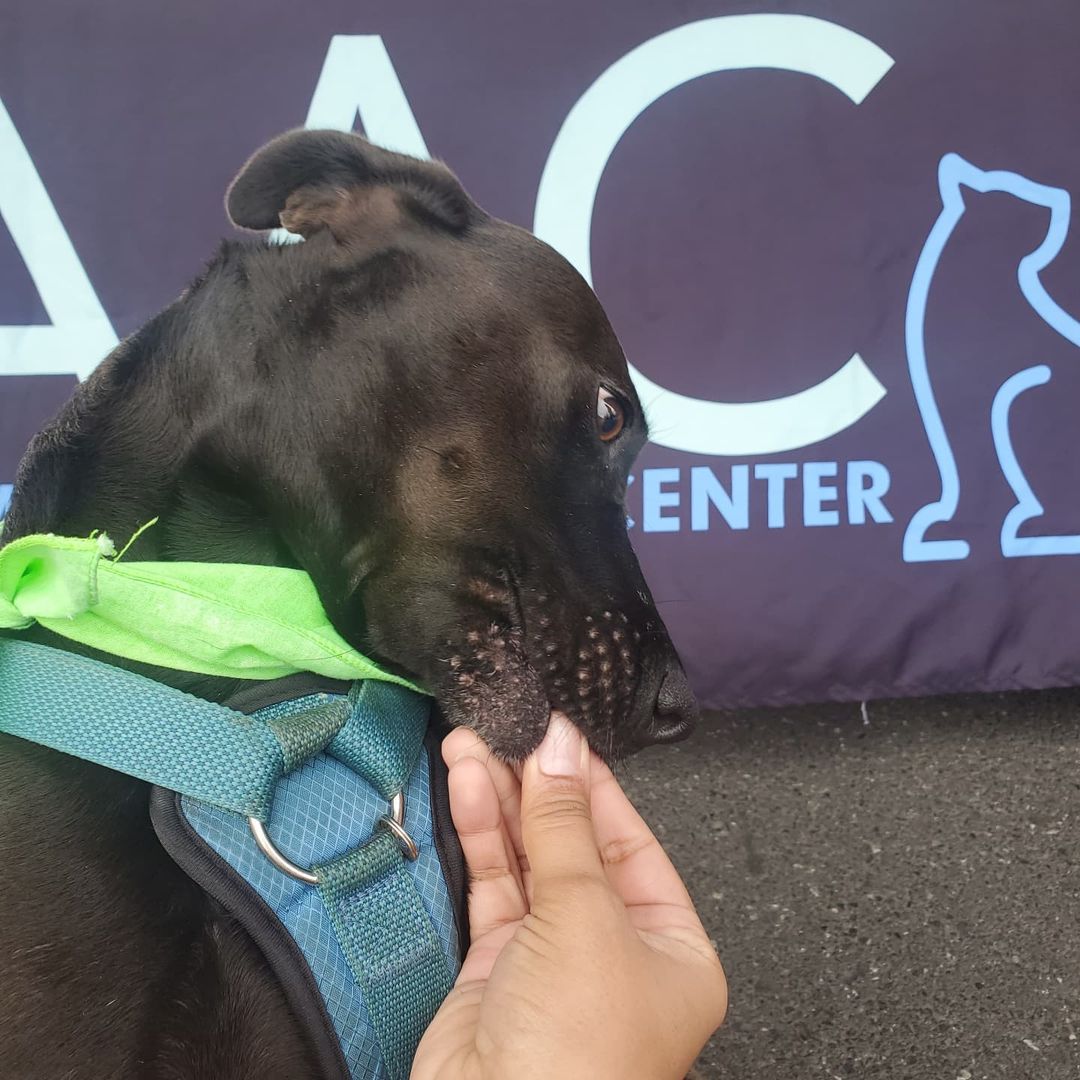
(894, 894)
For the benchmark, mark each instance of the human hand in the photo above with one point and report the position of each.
(587, 959)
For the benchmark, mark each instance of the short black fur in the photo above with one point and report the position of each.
(404, 406)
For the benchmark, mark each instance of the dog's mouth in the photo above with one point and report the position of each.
(502, 642)
(522, 652)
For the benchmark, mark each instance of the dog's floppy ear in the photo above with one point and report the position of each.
(314, 180)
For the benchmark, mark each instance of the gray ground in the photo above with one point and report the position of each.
(893, 899)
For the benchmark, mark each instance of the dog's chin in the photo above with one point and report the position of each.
(488, 684)
(499, 695)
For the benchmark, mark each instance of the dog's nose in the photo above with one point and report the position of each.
(676, 710)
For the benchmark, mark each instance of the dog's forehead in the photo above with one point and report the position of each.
(540, 307)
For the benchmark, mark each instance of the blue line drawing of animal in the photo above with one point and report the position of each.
(954, 174)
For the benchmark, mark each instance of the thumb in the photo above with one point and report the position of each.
(556, 822)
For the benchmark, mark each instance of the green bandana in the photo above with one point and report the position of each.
(237, 621)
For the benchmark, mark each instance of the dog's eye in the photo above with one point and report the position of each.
(610, 415)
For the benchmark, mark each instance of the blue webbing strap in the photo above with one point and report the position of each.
(140, 727)
(391, 947)
(381, 740)
(379, 919)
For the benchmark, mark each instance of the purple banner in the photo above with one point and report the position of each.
(835, 239)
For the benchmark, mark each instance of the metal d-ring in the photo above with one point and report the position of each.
(266, 846)
(394, 821)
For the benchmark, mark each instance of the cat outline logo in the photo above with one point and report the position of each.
(954, 174)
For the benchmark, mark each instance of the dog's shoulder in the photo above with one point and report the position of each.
(111, 954)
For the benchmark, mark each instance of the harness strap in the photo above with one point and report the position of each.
(145, 729)
(390, 945)
(305, 734)
(382, 736)
(379, 919)
(139, 727)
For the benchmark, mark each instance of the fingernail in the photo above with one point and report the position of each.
(562, 752)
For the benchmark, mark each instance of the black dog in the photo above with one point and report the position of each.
(424, 408)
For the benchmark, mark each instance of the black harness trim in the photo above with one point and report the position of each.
(221, 882)
(447, 841)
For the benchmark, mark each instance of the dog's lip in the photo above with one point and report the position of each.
(518, 613)
(515, 591)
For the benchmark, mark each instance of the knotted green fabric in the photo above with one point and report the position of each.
(225, 619)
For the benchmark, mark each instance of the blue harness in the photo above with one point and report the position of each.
(316, 816)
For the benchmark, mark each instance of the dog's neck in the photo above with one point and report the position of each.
(88, 471)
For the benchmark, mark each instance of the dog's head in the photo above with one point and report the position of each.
(432, 416)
